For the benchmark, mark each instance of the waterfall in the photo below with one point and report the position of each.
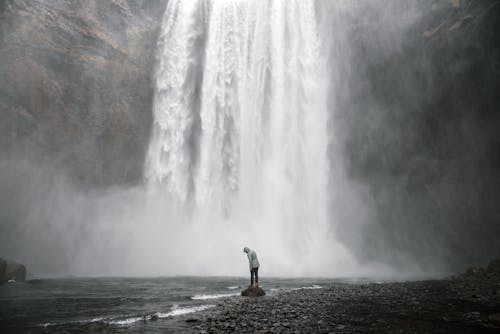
(239, 138)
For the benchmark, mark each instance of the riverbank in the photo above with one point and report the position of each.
(469, 303)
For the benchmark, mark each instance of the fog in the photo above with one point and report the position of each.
(325, 135)
(415, 113)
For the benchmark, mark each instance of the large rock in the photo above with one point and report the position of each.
(3, 267)
(10, 270)
(494, 319)
(494, 267)
(15, 271)
(253, 292)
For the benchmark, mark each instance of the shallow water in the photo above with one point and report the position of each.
(121, 305)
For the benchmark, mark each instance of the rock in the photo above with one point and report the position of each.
(494, 319)
(472, 315)
(3, 267)
(474, 271)
(253, 292)
(15, 271)
(86, 78)
(11, 271)
(494, 267)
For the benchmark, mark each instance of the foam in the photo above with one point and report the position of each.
(127, 321)
(312, 287)
(214, 296)
(176, 311)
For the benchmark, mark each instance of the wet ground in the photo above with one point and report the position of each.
(469, 303)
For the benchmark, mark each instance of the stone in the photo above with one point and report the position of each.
(494, 319)
(494, 267)
(253, 292)
(3, 267)
(15, 271)
(472, 315)
(474, 271)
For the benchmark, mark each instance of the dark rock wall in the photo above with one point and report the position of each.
(76, 84)
(419, 119)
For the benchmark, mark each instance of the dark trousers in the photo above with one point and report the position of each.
(254, 271)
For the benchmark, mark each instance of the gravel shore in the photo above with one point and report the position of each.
(469, 303)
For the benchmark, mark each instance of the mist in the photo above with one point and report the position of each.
(405, 130)
(414, 120)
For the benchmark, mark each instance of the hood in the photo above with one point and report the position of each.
(246, 249)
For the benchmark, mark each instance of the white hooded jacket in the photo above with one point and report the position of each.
(252, 258)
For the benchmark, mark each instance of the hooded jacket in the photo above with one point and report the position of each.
(252, 258)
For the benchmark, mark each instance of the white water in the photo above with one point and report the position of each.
(240, 131)
(215, 296)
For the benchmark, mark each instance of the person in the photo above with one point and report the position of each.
(254, 266)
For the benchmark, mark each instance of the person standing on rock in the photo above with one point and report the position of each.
(254, 265)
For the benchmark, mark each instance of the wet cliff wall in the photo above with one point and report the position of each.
(76, 84)
(417, 114)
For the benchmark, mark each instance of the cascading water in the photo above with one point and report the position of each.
(239, 138)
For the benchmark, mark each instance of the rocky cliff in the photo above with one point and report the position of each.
(419, 113)
(76, 83)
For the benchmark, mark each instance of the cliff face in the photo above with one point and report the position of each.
(76, 83)
(420, 117)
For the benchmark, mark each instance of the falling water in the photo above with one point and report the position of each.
(239, 138)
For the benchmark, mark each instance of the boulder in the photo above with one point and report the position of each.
(494, 267)
(494, 319)
(15, 271)
(472, 273)
(253, 291)
(3, 267)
